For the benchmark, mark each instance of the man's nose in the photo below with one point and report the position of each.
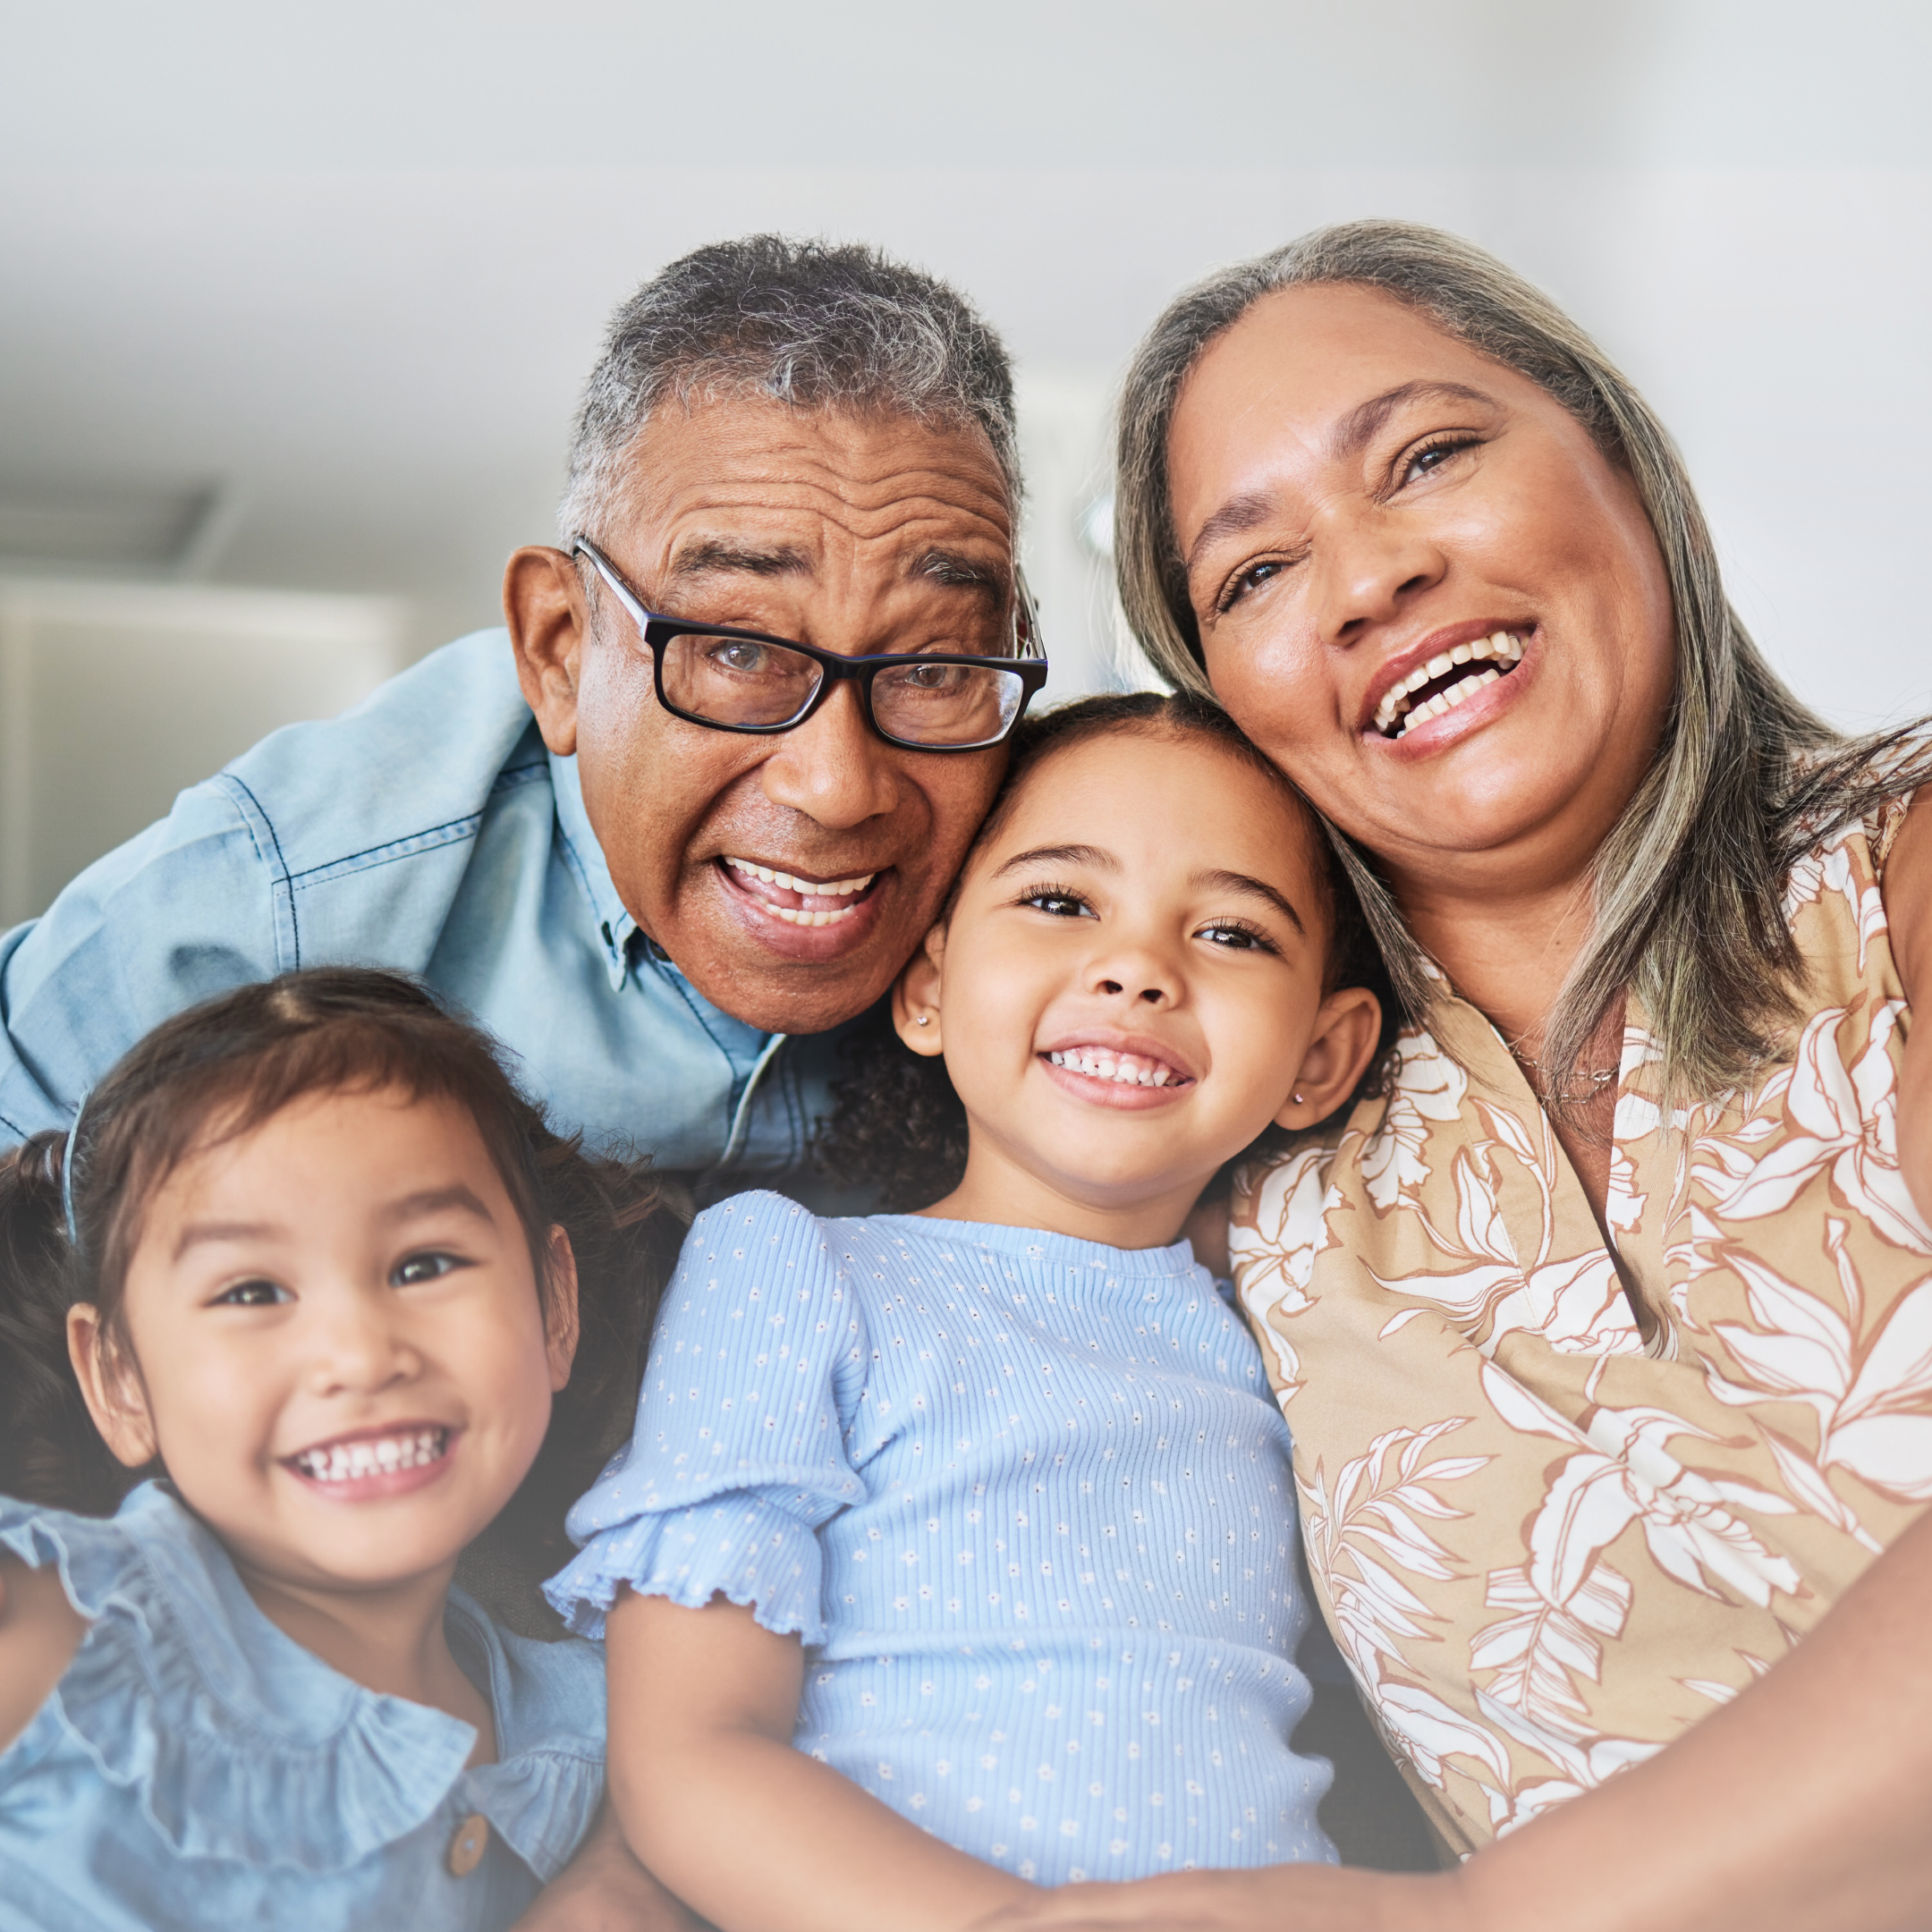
(834, 767)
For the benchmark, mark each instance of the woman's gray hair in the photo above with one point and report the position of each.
(1688, 886)
(805, 322)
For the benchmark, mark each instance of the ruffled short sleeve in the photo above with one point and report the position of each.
(741, 1451)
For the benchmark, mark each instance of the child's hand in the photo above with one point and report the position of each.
(605, 1889)
(1306, 1898)
(40, 1632)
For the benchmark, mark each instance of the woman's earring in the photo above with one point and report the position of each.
(926, 1020)
(1299, 1101)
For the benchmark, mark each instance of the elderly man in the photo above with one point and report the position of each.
(642, 846)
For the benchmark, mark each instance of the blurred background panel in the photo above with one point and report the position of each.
(299, 299)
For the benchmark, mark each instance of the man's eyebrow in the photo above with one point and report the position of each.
(1100, 860)
(1352, 433)
(1240, 882)
(949, 567)
(712, 556)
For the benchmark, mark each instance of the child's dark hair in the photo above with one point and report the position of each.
(222, 1069)
(897, 1126)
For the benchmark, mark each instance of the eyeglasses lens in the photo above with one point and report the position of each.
(737, 681)
(945, 704)
(742, 682)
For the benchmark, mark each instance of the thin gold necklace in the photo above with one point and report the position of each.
(1593, 1080)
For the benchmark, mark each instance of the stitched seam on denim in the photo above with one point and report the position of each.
(576, 864)
(432, 839)
(513, 775)
(258, 822)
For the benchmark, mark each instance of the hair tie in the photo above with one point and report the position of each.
(67, 1168)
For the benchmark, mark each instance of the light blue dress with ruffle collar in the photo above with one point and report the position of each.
(197, 1767)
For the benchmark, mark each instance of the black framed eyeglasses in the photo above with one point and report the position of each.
(742, 680)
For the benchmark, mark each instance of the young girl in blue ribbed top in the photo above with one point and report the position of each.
(954, 1551)
(304, 1282)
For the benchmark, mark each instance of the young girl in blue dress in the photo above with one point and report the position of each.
(312, 1270)
(954, 1551)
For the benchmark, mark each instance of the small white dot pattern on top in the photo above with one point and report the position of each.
(1027, 1499)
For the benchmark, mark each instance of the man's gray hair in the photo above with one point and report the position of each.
(808, 323)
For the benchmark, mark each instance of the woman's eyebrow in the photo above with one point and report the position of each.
(1067, 855)
(1240, 882)
(1358, 426)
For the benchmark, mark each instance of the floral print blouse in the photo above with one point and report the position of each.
(1547, 1537)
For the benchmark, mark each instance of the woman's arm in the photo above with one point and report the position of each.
(1799, 1807)
(756, 1835)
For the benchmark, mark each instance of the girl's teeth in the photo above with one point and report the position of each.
(1125, 1069)
(344, 1461)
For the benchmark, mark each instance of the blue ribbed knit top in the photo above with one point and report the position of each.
(1027, 1501)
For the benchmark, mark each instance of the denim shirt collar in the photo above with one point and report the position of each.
(587, 860)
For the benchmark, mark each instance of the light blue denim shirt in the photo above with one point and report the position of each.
(430, 831)
(195, 1767)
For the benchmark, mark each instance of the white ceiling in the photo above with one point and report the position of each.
(349, 263)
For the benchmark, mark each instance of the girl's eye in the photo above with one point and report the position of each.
(1237, 937)
(252, 1294)
(1058, 902)
(431, 1264)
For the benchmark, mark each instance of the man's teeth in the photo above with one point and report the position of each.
(1398, 700)
(378, 1455)
(1129, 1069)
(806, 889)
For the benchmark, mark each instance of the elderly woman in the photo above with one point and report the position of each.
(1606, 1332)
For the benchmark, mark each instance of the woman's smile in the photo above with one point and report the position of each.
(1441, 674)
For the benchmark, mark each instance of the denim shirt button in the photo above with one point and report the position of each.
(468, 1846)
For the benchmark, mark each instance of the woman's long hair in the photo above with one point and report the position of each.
(226, 1066)
(1688, 886)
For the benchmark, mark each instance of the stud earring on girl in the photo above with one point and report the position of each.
(923, 1019)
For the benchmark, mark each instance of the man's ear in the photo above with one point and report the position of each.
(1347, 1025)
(111, 1387)
(543, 603)
(915, 1001)
(562, 1317)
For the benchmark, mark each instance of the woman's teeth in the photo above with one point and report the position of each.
(1129, 1069)
(375, 1455)
(802, 915)
(1399, 713)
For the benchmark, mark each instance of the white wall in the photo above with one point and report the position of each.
(114, 696)
(351, 264)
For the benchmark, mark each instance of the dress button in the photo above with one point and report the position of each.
(468, 1846)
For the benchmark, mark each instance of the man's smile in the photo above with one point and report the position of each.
(797, 900)
(800, 918)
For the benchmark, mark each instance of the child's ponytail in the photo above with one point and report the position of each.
(50, 1452)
